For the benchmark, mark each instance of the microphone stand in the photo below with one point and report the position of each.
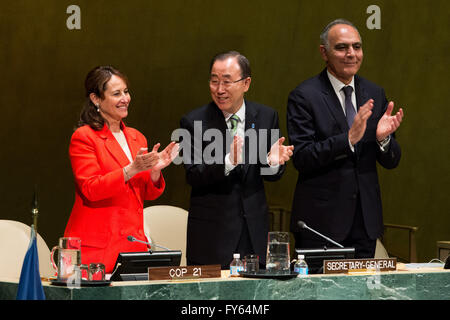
(133, 239)
(301, 224)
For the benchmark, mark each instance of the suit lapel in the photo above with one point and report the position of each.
(117, 152)
(361, 98)
(114, 147)
(216, 120)
(332, 101)
(251, 122)
(361, 93)
(131, 138)
(250, 116)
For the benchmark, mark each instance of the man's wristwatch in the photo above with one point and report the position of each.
(383, 143)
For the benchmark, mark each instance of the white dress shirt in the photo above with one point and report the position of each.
(240, 131)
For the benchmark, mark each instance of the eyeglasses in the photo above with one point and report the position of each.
(226, 83)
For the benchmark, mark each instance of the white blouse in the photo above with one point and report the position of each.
(120, 137)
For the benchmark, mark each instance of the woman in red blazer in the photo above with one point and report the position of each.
(113, 172)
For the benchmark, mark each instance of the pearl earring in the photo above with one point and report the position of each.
(98, 109)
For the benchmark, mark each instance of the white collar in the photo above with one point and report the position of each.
(240, 113)
(338, 84)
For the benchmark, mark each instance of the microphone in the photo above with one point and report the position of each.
(133, 239)
(302, 225)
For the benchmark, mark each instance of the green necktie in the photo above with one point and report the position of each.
(234, 119)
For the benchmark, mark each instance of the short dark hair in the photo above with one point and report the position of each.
(243, 62)
(324, 34)
(95, 82)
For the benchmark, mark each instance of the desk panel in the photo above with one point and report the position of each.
(399, 285)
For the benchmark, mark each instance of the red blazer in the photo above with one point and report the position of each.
(107, 210)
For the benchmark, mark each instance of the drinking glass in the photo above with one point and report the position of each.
(251, 263)
(96, 272)
(278, 256)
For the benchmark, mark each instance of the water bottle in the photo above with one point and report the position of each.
(236, 265)
(301, 267)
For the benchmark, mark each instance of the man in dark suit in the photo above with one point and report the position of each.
(228, 210)
(340, 125)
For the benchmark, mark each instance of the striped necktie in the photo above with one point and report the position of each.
(234, 119)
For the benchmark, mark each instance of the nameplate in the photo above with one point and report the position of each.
(185, 272)
(345, 266)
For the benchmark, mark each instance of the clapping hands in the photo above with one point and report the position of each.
(154, 160)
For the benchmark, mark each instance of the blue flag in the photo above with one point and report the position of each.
(30, 285)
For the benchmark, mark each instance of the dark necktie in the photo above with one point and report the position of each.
(349, 108)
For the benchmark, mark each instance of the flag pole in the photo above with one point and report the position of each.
(30, 283)
(35, 209)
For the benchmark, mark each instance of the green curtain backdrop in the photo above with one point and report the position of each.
(165, 48)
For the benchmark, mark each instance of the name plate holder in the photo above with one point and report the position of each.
(184, 272)
(359, 265)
